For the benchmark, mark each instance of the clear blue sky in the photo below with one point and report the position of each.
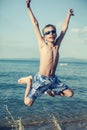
(17, 37)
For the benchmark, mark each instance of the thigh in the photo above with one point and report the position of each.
(37, 90)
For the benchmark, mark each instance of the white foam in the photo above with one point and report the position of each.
(14, 123)
(55, 121)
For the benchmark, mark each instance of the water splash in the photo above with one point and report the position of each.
(17, 124)
(54, 119)
(56, 122)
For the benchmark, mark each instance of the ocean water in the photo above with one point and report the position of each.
(47, 113)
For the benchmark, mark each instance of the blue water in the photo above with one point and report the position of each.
(68, 113)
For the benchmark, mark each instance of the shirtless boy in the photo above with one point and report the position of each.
(46, 80)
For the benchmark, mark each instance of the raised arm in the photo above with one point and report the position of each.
(65, 26)
(35, 23)
(67, 20)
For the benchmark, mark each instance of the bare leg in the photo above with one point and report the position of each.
(28, 81)
(68, 93)
(50, 93)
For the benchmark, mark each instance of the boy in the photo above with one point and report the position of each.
(46, 80)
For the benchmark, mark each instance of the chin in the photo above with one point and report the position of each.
(52, 40)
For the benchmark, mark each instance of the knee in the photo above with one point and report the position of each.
(68, 93)
(28, 102)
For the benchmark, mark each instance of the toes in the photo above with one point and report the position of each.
(19, 81)
(25, 80)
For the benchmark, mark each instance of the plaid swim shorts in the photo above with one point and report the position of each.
(43, 83)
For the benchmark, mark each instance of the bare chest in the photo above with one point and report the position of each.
(49, 52)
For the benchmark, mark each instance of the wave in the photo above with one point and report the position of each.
(52, 123)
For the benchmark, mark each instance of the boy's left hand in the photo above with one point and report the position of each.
(70, 11)
(28, 3)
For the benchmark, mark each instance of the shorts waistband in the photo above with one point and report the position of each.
(51, 76)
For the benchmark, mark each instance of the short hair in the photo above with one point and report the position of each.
(48, 25)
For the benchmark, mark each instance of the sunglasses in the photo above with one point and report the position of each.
(50, 32)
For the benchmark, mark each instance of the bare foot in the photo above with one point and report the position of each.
(50, 93)
(25, 80)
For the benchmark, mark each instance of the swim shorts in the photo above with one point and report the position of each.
(43, 83)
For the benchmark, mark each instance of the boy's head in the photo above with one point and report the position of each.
(49, 32)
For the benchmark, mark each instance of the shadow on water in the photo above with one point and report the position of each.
(51, 124)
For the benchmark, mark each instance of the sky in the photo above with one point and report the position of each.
(17, 37)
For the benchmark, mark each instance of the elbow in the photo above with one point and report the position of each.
(35, 22)
(64, 30)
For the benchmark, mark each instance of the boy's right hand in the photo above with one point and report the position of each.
(28, 3)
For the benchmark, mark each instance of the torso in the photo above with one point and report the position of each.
(49, 56)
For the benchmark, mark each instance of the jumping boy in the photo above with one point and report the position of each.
(46, 80)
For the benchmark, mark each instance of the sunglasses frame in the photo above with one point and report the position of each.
(48, 32)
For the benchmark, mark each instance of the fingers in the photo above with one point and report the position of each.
(28, 3)
(71, 12)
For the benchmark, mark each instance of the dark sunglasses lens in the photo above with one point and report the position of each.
(53, 32)
(47, 33)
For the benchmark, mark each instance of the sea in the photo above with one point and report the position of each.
(47, 113)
